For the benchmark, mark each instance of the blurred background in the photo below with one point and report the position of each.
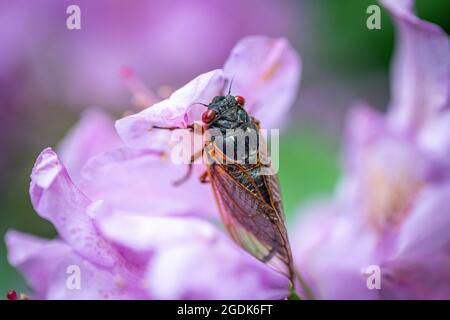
(49, 75)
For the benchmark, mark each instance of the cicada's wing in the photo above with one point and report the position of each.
(273, 186)
(270, 178)
(252, 223)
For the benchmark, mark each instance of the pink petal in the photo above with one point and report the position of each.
(421, 74)
(92, 135)
(143, 181)
(36, 258)
(56, 198)
(267, 73)
(417, 277)
(364, 126)
(426, 229)
(190, 258)
(332, 250)
(97, 283)
(435, 137)
(381, 162)
(144, 233)
(212, 267)
(46, 264)
(399, 5)
(420, 267)
(135, 129)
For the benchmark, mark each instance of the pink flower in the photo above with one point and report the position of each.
(166, 41)
(390, 208)
(266, 71)
(122, 223)
(46, 68)
(125, 254)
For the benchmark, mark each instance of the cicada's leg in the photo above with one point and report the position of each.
(193, 158)
(204, 177)
(256, 121)
(190, 127)
(189, 172)
(184, 178)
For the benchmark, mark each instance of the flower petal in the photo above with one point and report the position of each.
(426, 230)
(435, 138)
(190, 258)
(332, 250)
(96, 283)
(36, 258)
(92, 135)
(135, 130)
(412, 277)
(212, 268)
(421, 68)
(364, 125)
(49, 265)
(267, 73)
(143, 181)
(56, 198)
(419, 269)
(144, 233)
(386, 170)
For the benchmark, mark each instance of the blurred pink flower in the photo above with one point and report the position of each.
(167, 42)
(47, 69)
(265, 71)
(123, 223)
(390, 209)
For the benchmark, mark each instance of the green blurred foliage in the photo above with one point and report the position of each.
(309, 167)
(347, 46)
(436, 11)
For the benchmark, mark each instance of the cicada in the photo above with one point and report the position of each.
(248, 198)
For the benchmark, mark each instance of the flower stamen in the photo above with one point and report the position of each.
(142, 96)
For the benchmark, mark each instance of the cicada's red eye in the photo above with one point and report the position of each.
(240, 100)
(209, 116)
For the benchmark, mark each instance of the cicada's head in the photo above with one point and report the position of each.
(226, 112)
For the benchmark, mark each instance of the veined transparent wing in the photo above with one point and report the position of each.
(253, 223)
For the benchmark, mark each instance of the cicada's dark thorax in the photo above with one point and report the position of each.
(239, 129)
